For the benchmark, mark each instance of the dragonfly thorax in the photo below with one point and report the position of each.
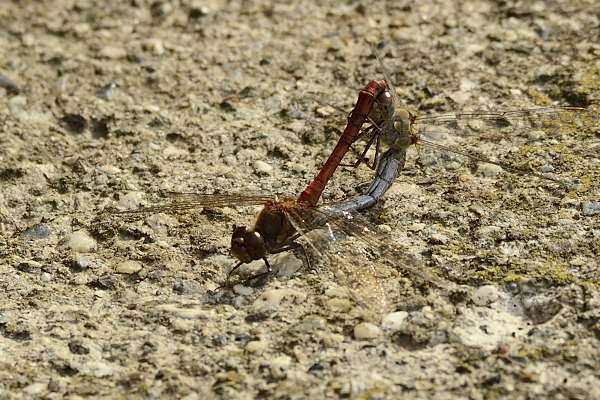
(247, 245)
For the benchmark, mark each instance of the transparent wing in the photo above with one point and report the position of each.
(563, 119)
(186, 201)
(347, 243)
(345, 258)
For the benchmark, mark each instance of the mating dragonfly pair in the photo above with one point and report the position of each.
(327, 229)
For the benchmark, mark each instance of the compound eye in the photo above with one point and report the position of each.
(247, 246)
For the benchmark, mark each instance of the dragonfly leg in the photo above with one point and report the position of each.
(362, 158)
(227, 284)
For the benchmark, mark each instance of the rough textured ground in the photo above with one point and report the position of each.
(233, 97)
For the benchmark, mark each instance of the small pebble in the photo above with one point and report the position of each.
(332, 340)
(591, 207)
(191, 396)
(288, 264)
(9, 84)
(243, 290)
(485, 295)
(325, 111)
(155, 46)
(109, 169)
(82, 262)
(38, 231)
(108, 281)
(112, 52)
(272, 299)
(438, 238)
(129, 267)
(262, 168)
(106, 92)
(131, 200)
(45, 277)
(393, 321)
(80, 279)
(296, 114)
(279, 365)
(187, 287)
(311, 323)
(338, 305)
(81, 242)
(546, 168)
(256, 347)
(490, 170)
(35, 389)
(198, 11)
(460, 97)
(417, 227)
(366, 330)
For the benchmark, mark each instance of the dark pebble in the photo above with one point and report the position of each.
(187, 287)
(8, 84)
(108, 281)
(227, 106)
(38, 231)
(74, 123)
(79, 347)
(296, 114)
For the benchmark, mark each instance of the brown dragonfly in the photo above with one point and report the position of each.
(391, 123)
(344, 242)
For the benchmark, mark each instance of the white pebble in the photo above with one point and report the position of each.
(131, 200)
(366, 330)
(35, 389)
(271, 299)
(129, 267)
(262, 167)
(256, 347)
(45, 277)
(191, 396)
(393, 321)
(279, 365)
(81, 242)
(112, 52)
(485, 295)
(417, 227)
(80, 279)
(155, 46)
(109, 169)
(490, 169)
(243, 290)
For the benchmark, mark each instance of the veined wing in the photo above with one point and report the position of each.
(186, 201)
(345, 257)
(559, 119)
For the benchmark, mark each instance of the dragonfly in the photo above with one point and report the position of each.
(362, 112)
(392, 124)
(342, 240)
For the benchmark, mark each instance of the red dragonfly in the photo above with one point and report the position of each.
(284, 220)
(362, 112)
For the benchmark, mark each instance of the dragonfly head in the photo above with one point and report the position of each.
(383, 108)
(247, 245)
